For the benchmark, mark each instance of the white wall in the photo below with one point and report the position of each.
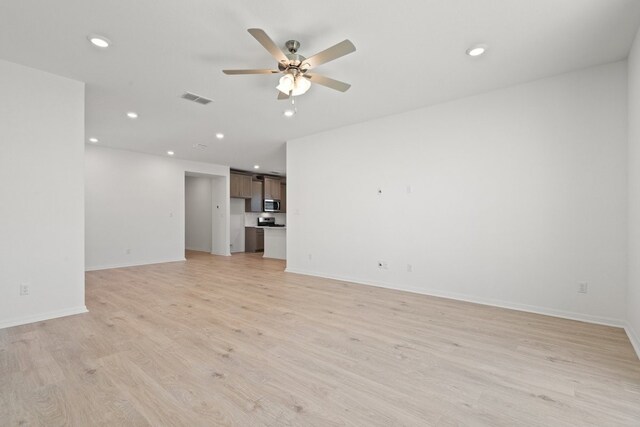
(509, 198)
(198, 213)
(41, 195)
(633, 296)
(221, 216)
(135, 205)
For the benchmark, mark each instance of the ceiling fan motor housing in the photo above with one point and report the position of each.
(296, 62)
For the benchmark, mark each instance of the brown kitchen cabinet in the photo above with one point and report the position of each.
(254, 204)
(240, 186)
(271, 188)
(253, 239)
(283, 197)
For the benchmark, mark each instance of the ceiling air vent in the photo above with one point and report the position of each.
(196, 98)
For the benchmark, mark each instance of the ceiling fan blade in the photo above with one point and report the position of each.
(343, 48)
(268, 44)
(282, 95)
(328, 82)
(260, 71)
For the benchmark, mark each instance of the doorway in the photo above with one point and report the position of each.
(198, 213)
(206, 213)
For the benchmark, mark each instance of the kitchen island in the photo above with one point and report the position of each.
(275, 242)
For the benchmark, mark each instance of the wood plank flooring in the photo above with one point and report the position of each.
(236, 341)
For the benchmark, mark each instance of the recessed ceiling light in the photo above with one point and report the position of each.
(289, 113)
(219, 135)
(477, 50)
(256, 166)
(94, 140)
(99, 41)
(132, 115)
(171, 153)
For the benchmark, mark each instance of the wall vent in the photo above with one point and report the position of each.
(196, 98)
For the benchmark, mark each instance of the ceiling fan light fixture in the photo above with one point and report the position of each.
(286, 84)
(293, 85)
(301, 86)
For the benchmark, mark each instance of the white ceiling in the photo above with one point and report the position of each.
(409, 54)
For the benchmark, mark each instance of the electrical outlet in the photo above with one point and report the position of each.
(583, 288)
(382, 265)
(409, 268)
(24, 289)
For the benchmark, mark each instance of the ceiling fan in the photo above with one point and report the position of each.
(297, 79)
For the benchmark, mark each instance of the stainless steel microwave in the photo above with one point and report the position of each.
(271, 205)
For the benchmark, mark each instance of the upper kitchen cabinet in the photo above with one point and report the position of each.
(240, 186)
(254, 203)
(271, 188)
(283, 196)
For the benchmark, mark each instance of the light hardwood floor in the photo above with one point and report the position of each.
(236, 341)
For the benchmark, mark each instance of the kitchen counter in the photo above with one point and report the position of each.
(275, 242)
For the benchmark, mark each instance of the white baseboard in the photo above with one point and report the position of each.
(634, 338)
(42, 316)
(600, 320)
(132, 264)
